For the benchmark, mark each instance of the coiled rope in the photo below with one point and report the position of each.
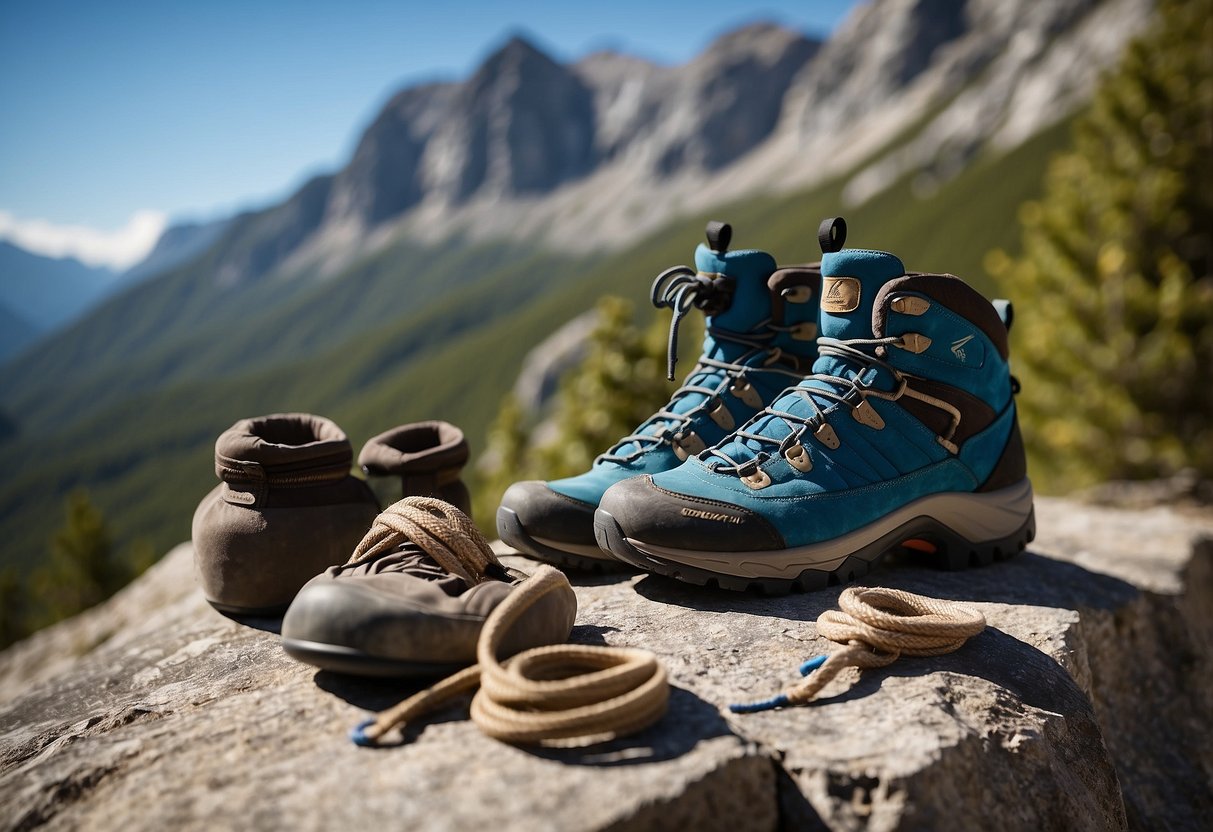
(561, 695)
(876, 626)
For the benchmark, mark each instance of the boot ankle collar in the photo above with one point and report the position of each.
(283, 448)
(432, 451)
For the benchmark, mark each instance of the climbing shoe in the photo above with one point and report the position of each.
(761, 330)
(413, 598)
(904, 436)
(286, 509)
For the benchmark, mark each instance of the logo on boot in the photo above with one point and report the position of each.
(714, 516)
(958, 346)
(840, 294)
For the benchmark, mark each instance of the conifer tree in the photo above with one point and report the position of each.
(14, 607)
(620, 383)
(1114, 343)
(84, 568)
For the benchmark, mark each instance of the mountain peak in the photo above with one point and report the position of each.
(754, 34)
(517, 50)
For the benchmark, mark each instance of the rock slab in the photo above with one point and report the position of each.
(1086, 704)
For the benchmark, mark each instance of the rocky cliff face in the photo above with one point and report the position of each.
(589, 154)
(1085, 704)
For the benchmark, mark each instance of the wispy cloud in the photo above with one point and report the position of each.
(119, 249)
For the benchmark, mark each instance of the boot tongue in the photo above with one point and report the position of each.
(749, 271)
(747, 307)
(850, 280)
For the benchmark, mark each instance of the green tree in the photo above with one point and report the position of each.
(14, 607)
(1115, 285)
(620, 383)
(84, 567)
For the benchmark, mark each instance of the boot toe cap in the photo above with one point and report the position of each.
(550, 514)
(404, 625)
(650, 514)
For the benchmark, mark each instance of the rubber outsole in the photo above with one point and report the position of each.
(510, 529)
(951, 552)
(249, 612)
(353, 662)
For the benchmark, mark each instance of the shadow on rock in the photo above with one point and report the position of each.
(795, 810)
(268, 624)
(1018, 668)
(688, 721)
(590, 634)
(796, 607)
(610, 577)
(368, 692)
(611, 572)
(1029, 578)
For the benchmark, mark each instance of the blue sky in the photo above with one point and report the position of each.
(118, 115)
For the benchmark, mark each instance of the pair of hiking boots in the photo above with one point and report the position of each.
(276, 536)
(900, 432)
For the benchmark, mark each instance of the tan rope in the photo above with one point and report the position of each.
(876, 626)
(559, 695)
(441, 530)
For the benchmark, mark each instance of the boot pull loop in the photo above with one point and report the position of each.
(832, 234)
(719, 234)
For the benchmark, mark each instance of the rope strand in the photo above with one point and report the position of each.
(442, 531)
(558, 695)
(875, 627)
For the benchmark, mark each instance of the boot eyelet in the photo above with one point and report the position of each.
(721, 416)
(742, 389)
(913, 342)
(825, 435)
(804, 332)
(757, 480)
(865, 414)
(798, 458)
(910, 305)
(797, 294)
(687, 444)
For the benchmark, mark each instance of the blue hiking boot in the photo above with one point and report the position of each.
(904, 436)
(761, 331)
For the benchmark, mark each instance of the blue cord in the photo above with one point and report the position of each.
(358, 734)
(765, 705)
(782, 699)
(812, 664)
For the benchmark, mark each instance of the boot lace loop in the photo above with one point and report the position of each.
(682, 289)
(845, 391)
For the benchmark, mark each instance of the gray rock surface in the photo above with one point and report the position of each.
(1084, 705)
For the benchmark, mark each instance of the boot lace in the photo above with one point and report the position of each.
(428, 539)
(682, 289)
(843, 390)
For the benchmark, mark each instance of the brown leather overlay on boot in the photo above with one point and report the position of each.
(950, 291)
(975, 415)
(1012, 465)
(792, 279)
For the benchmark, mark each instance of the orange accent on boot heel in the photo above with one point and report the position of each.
(920, 546)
